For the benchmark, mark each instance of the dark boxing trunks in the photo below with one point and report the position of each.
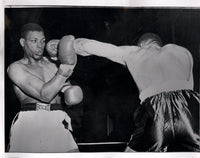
(163, 122)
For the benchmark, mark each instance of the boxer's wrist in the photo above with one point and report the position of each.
(66, 86)
(61, 73)
(65, 70)
(61, 76)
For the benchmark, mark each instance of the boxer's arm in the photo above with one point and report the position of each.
(85, 47)
(35, 87)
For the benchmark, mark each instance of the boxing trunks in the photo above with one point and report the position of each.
(163, 121)
(42, 128)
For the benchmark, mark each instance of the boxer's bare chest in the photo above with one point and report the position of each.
(44, 71)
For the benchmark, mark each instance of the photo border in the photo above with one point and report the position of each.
(54, 3)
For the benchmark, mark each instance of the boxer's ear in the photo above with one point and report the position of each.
(21, 41)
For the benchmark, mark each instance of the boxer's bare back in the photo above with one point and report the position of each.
(154, 66)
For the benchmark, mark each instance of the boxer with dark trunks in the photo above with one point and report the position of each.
(164, 77)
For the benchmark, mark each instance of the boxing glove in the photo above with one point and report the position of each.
(52, 47)
(66, 53)
(73, 95)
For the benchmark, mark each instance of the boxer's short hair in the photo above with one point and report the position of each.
(152, 36)
(30, 27)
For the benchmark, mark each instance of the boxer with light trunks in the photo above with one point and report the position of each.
(42, 125)
(164, 77)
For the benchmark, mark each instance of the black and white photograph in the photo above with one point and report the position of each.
(101, 79)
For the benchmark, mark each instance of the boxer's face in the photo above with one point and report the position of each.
(34, 44)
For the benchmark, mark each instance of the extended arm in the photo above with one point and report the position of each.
(85, 47)
(34, 86)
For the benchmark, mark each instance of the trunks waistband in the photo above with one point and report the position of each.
(168, 86)
(41, 106)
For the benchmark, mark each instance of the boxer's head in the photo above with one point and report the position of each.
(32, 40)
(149, 38)
(30, 27)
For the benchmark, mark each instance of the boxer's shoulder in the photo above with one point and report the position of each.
(16, 65)
(130, 50)
(173, 48)
(173, 51)
(16, 70)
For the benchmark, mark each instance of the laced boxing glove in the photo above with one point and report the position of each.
(66, 53)
(72, 94)
(52, 47)
(64, 50)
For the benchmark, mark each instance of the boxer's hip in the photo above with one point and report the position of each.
(168, 86)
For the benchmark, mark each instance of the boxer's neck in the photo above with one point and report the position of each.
(152, 45)
(31, 61)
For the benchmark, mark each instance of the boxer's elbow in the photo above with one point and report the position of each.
(46, 96)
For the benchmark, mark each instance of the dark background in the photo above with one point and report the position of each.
(110, 94)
